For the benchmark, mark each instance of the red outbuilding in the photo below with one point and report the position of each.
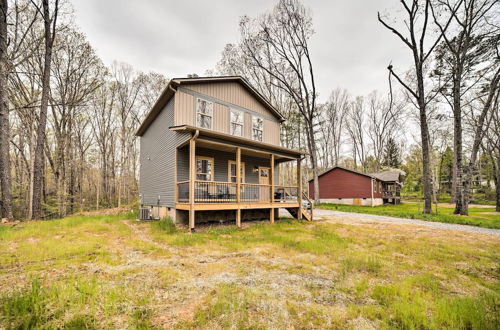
(340, 185)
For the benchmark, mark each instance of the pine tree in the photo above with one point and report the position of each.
(392, 154)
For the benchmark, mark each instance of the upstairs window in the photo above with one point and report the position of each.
(257, 128)
(236, 123)
(204, 110)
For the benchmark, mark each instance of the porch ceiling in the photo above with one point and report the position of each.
(248, 151)
(231, 141)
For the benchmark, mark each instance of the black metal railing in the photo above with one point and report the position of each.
(214, 192)
(225, 192)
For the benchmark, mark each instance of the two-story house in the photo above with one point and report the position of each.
(210, 151)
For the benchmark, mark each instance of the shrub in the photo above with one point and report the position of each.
(166, 225)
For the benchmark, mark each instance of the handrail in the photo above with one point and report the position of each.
(310, 203)
(305, 196)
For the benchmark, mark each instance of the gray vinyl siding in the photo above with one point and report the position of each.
(221, 159)
(157, 159)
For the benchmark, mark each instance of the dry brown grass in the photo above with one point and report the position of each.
(109, 272)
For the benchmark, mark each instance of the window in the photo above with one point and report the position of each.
(204, 110)
(232, 171)
(236, 123)
(257, 128)
(204, 168)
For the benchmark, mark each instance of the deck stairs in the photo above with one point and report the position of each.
(307, 213)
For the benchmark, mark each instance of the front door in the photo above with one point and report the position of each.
(264, 190)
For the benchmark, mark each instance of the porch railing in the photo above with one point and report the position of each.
(284, 194)
(390, 194)
(225, 192)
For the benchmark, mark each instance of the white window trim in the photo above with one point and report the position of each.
(262, 130)
(203, 114)
(211, 159)
(229, 176)
(242, 124)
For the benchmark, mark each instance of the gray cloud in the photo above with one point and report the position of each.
(350, 49)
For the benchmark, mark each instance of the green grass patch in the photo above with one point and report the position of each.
(165, 225)
(418, 303)
(284, 234)
(100, 272)
(481, 217)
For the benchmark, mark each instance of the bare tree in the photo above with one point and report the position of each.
(50, 22)
(332, 115)
(77, 73)
(493, 145)
(277, 44)
(383, 124)
(104, 128)
(128, 88)
(417, 24)
(355, 127)
(5, 174)
(466, 45)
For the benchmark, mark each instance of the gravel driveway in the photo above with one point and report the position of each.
(333, 215)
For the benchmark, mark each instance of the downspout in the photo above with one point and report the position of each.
(372, 191)
(195, 136)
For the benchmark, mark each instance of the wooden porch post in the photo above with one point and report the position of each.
(271, 215)
(192, 178)
(299, 189)
(238, 186)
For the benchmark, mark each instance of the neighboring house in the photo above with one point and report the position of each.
(340, 185)
(210, 150)
(391, 185)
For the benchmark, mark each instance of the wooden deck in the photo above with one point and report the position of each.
(195, 195)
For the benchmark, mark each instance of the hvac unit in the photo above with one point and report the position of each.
(145, 213)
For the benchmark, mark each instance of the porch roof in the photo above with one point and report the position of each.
(236, 141)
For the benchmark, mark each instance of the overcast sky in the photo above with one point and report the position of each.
(350, 49)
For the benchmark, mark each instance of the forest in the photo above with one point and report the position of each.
(68, 121)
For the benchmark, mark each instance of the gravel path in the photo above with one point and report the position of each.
(381, 218)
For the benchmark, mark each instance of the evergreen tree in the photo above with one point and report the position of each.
(392, 154)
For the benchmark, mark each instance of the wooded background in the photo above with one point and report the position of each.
(67, 121)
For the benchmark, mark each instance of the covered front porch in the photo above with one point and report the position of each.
(215, 175)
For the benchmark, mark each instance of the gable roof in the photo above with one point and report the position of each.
(391, 175)
(346, 169)
(170, 90)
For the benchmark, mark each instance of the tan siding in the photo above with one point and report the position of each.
(221, 118)
(247, 126)
(231, 92)
(184, 109)
(271, 132)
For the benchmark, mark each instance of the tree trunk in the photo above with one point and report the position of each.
(460, 208)
(40, 142)
(5, 175)
(424, 133)
(497, 184)
(314, 161)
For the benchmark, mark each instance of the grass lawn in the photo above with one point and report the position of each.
(478, 216)
(107, 272)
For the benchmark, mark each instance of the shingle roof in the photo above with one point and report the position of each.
(392, 175)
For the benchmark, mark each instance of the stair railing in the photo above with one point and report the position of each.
(304, 195)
